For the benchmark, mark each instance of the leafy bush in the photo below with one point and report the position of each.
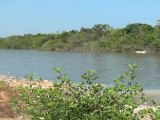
(85, 101)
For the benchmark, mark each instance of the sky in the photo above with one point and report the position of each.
(18, 17)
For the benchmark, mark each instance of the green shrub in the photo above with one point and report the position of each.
(85, 101)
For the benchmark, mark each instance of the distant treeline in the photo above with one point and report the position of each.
(100, 37)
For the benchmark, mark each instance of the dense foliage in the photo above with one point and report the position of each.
(100, 37)
(85, 101)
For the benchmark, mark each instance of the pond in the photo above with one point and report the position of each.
(107, 65)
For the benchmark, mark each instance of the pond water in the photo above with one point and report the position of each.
(108, 65)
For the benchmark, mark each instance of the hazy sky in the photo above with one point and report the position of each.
(49, 16)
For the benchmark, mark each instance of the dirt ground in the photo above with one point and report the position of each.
(6, 94)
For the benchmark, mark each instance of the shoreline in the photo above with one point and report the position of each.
(148, 52)
(12, 80)
(15, 81)
(152, 94)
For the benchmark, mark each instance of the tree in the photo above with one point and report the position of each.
(138, 28)
(157, 30)
(101, 30)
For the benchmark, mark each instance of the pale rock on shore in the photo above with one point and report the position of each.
(14, 81)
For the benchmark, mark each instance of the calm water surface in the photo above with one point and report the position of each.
(107, 65)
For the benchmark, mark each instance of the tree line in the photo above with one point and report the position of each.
(100, 37)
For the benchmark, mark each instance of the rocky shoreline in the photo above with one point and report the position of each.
(15, 81)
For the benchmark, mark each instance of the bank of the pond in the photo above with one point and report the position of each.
(15, 81)
(12, 82)
(152, 94)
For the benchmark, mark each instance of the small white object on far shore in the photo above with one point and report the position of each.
(141, 52)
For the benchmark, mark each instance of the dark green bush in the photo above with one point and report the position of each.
(85, 101)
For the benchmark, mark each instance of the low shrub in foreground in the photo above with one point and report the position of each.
(85, 101)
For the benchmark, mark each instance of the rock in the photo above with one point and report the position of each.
(14, 81)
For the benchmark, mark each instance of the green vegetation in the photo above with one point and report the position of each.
(100, 37)
(85, 101)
